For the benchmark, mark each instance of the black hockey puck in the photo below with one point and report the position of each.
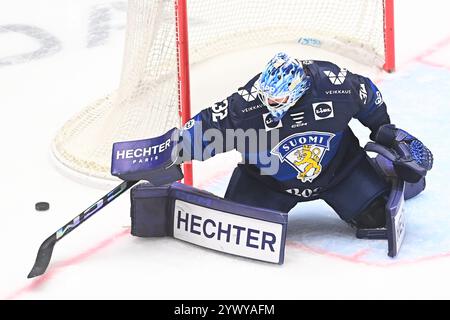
(42, 206)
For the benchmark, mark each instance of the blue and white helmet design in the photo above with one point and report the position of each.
(281, 84)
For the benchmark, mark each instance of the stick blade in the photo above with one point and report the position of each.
(43, 258)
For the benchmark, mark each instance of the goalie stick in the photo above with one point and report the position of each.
(46, 249)
(127, 164)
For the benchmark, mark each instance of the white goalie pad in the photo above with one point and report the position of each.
(396, 223)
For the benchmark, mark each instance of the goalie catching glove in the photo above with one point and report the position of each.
(154, 159)
(411, 159)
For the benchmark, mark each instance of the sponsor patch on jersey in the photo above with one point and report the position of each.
(323, 110)
(298, 119)
(270, 123)
(338, 92)
(336, 79)
(363, 93)
(379, 99)
(188, 125)
(248, 95)
(304, 152)
(252, 108)
(304, 193)
(307, 62)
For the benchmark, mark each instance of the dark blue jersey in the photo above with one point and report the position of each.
(314, 145)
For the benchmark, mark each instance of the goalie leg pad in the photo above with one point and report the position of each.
(356, 192)
(395, 228)
(245, 188)
(395, 213)
(374, 216)
(206, 220)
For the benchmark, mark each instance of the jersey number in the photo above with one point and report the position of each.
(220, 110)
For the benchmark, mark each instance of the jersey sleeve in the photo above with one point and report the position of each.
(371, 110)
(205, 134)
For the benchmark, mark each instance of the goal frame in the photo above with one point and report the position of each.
(154, 94)
(182, 38)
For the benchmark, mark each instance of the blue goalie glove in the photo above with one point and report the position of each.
(411, 158)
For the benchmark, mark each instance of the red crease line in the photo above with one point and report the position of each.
(40, 281)
(356, 258)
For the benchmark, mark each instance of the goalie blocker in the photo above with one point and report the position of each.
(148, 159)
(204, 219)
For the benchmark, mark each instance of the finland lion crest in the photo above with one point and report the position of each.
(304, 152)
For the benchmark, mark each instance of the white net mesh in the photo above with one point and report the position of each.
(146, 103)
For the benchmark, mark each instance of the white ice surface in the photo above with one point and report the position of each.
(100, 260)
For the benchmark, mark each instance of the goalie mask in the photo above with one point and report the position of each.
(281, 84)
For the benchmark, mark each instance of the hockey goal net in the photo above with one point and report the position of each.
(147, 103)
